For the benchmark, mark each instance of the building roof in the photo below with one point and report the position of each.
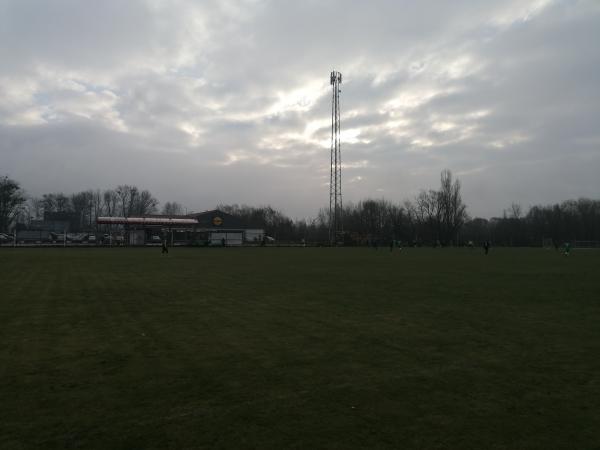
(214, 219)
(164, 221)
(217, 219)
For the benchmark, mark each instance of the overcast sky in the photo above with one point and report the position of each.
(226, 101)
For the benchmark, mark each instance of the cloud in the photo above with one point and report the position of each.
(229, 101)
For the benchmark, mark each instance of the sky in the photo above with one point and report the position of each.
(229, 101)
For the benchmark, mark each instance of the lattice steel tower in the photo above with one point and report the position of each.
(336, 228)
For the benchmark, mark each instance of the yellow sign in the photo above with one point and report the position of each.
(217, 221)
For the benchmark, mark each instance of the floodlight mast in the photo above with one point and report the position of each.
(336, 228)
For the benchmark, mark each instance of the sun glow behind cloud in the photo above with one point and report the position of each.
(301, 99)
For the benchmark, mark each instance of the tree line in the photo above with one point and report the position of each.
(569, 221)
(433, 217)
(85, 206)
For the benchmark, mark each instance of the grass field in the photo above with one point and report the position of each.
(299, 348)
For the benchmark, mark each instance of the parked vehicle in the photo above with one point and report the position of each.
(115, 240)
(33, 236)
(59, 238)
(76, 237)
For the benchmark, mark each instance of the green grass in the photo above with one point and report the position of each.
(299, 348)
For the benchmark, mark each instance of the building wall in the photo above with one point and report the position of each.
(137, 237)
(253, 235)
(231, 238)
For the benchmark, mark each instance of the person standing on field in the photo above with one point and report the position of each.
(165, 248)
(486, 246)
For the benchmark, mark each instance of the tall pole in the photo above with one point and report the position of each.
(336, 228)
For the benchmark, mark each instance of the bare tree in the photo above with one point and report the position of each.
(412, 221)
(36, 207)
(81, 203)
(515, 211)
(144, 203)
(56, 202)
(110, 202)
(133, 202)
(97, 206)
(125, 193)
(11, 200)
(429, 214)
(172, 209)
(452, 208)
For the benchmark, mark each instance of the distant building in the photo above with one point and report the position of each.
(43, 231)
(216, 225)
(206, 228)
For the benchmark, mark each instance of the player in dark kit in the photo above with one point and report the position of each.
(165, 248)
(486, 246)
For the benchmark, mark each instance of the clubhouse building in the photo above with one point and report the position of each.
(208, 228)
